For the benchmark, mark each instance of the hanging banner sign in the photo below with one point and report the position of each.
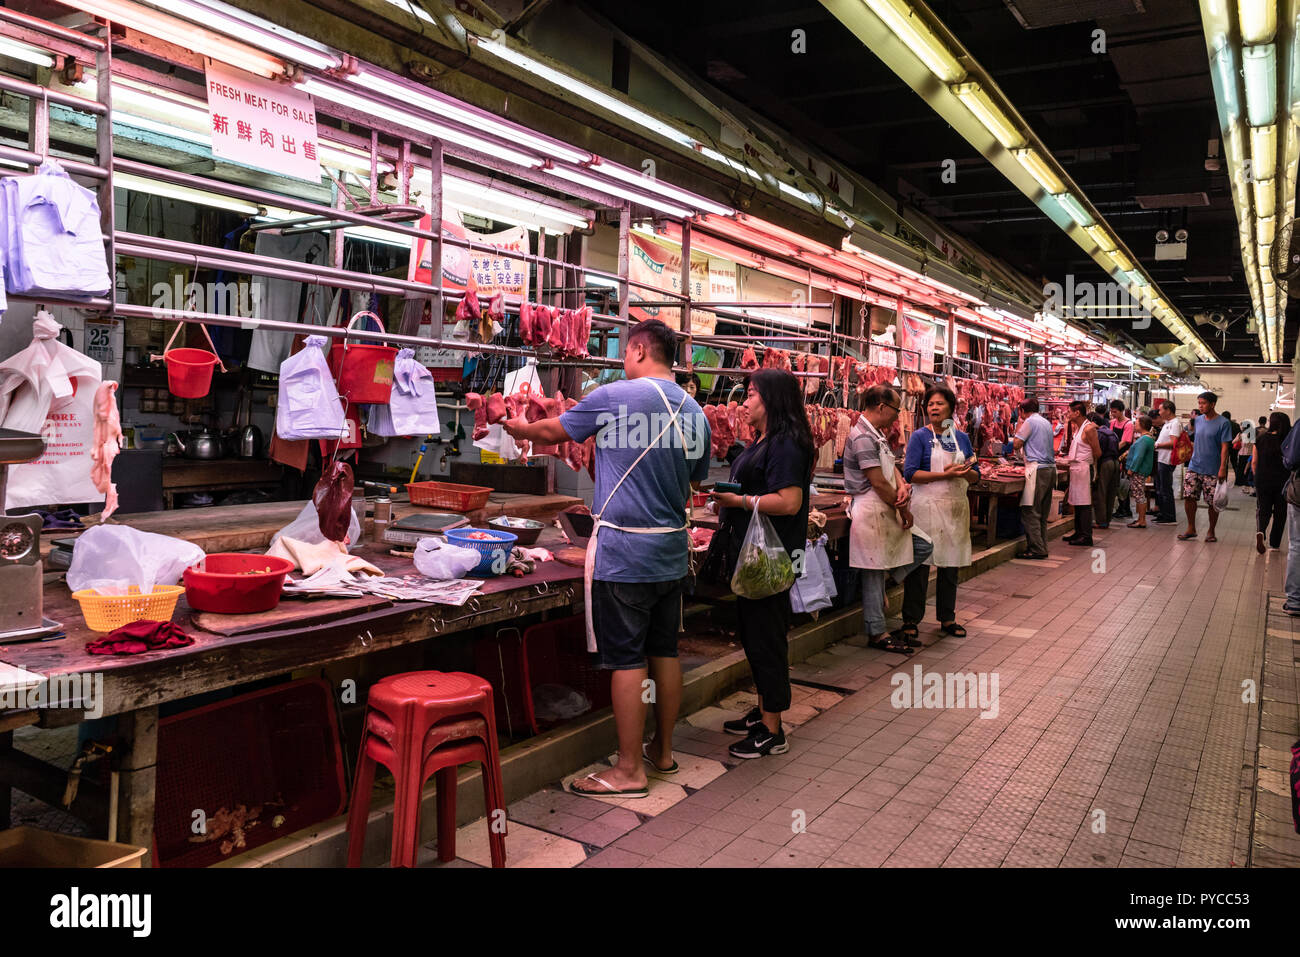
(884, 356)
(661, 266)
(495, 270)
(269, 126)
(916, 335)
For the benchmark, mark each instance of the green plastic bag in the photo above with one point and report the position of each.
(764, 568)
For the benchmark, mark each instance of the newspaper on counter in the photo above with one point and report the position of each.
(334, 581)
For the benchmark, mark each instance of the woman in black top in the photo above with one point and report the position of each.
(773, 473)
(1270, 476)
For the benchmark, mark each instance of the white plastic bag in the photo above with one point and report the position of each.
(412, 407)
(764, 568)
(1221, 496)
(112, 558)
(444, 561)
(308, 405)
(50, 388)
(306, 528)
(815, 588)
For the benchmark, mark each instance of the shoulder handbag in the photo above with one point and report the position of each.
(1292, 490)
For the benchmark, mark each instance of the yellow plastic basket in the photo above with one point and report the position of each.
(110, 612)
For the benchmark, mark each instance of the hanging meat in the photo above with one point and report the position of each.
(497, 307)
(578, 333)
(478, 406)
(740, 423)
(526, 323)
(541, 324)
(540, 407)
(496, 408)
(776, 359)
(747, 358)
(107, 443)
(558, 337)
(469, 307)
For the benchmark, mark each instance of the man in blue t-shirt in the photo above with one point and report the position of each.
(652, 446)
(1209, 464)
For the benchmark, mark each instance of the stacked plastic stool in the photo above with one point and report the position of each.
(418, 725)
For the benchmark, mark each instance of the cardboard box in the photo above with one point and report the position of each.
(32, 847)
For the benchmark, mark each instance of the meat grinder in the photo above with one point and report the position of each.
(22, 610)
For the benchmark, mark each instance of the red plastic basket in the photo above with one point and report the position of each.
(458, 498)
(280, 744)
(553, 652)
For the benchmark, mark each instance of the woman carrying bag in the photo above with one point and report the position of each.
(940, 464)
(1140, 463)
(773, 473)
(1270, 481)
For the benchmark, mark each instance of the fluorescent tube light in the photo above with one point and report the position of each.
(1265, 196)
(1039, 169)
(1101, 236)
(917, 36)
(1260, 68)
(260, 33)
(983, 108)
(183, 193)
(374, 107)
(444, 107)
(1074, 209)
(183, 34)
(616, 189)
(614, 171)
(1122, 261)
(1258, 20)
(1263, 151)
(21, 51)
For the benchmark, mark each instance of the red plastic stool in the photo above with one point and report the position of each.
(418, 725)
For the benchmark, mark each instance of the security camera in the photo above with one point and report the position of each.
(1181, 236)
(1162, 235)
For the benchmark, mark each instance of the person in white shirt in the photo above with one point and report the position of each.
(1243, 454)
(1171, 427)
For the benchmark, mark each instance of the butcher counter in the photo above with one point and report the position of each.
(231, 650)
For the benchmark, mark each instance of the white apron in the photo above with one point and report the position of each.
(942, 509)
(1080, 470)
(589, 565)
(877, 538)
(1031, 482)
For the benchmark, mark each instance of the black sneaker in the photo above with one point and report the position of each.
(745, 724)
(760, 743)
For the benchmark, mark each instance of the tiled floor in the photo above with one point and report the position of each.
(1123, 734)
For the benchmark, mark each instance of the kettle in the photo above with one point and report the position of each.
(250, 442)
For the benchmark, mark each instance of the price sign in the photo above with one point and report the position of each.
(270, 126)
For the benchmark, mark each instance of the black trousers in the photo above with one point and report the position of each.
(1083, 521)
(916, 587)
(764, 634)
(1270, 505)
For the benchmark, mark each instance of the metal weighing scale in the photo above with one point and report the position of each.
(22, 611)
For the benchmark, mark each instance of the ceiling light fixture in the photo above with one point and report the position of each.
(989, 114)
(901, 17)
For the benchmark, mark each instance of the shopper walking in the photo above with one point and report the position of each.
(1123, 427)
(1107, 471)
(1140, 462)
(881, 540)
(940, 464)
(1291, 463)
(1209, 464)
(773, 473)
(1084, 451)
(1035, 438)
(1243, 446)
(636, 559)
(1270, 477)
(1170, 428)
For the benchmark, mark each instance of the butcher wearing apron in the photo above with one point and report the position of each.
(1035, 439)
(942, 510)
(1080, 490)
(878, 542)
(589, 566)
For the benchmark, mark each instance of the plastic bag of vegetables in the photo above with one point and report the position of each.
(764, 568)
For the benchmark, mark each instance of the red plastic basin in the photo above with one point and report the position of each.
(235, 584)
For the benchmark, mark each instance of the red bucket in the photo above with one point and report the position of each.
(189, 372)
(364, 373)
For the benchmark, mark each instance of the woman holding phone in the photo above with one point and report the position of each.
(773, 474)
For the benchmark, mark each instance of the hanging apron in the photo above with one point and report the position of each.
(1080, 470)
(942, 509)
(589, 565)
(877, 538)
(1031, 482)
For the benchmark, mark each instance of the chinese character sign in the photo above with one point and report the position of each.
(255, 122)
(917, 335)
(498, 264)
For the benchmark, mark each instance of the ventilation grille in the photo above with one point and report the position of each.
(1033, 14)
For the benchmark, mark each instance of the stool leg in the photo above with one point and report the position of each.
(447, 813)
(406, 816)
(362, 785)
(495, 801)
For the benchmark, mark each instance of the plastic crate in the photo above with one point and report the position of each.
(280, 744)
(457, 498)
(553, 652)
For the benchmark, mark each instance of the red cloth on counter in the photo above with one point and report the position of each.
(139, 637)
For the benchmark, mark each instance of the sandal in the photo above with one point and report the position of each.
(608, 789)
(954, 629)
(888, 643)
(1186, 538)
(909, 635)
(1135, 525)
(671, 769)
(1210, 538)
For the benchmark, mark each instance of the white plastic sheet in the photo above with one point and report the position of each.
(112, 558)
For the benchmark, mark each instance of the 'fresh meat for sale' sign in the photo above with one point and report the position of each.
(259, 123)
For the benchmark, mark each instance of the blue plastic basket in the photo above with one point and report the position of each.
(489, 550)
